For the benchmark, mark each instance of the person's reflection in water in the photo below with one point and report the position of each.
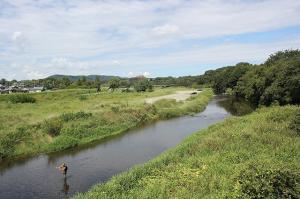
(66, 186)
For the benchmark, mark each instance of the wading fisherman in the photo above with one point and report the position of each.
(63, 168)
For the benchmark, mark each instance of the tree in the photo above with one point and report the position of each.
(3, 81)
(98, 84)
(142, 85)
(277, 80)
(65, 82)
(114, 83)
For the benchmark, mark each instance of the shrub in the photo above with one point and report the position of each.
(63, 142)
(261, 182)
(21, 98)
(10, 140)
(296, 123)
(115, 109)
(7, 146)
(52, 126)
(83, 97)
(66, 117)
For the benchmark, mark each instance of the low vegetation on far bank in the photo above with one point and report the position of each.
(62, 120)
(254, 156)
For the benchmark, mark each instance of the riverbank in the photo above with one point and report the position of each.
(82, 117)
(243, 157)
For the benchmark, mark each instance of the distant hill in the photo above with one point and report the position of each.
(88, 77)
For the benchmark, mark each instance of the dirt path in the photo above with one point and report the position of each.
(178, 96)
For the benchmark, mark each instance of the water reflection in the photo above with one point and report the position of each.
(66, 186)
(236, 106)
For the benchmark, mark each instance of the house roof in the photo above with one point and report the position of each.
(37, 88)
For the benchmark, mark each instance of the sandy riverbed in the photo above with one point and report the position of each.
(178, 96)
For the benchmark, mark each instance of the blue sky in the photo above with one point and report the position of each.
(39, 38)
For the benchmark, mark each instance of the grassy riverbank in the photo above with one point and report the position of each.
(254, 156)
(65, 119)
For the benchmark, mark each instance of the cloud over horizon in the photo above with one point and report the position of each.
(171, 37)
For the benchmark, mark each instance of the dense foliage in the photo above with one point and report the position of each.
(275, 81)
(143, 85)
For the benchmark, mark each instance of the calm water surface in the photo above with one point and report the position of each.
(98, 162)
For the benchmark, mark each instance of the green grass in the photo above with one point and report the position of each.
(64, 119)
(254, 156)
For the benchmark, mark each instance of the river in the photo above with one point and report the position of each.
(96, 163)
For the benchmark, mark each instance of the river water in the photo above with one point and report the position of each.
(96, 163)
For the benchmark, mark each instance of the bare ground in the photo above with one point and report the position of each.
(178, 96)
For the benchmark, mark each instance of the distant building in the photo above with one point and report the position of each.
(20, 88)
(2, 89)
(36, 89)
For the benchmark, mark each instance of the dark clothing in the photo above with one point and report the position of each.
(64, 170)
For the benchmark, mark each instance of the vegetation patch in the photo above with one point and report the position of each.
(21, 98)
(259, 181)
(52, 126)
(62, 143)
(66, 117)
(296, 123)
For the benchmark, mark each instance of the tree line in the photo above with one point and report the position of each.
(277, 80)
(139, 83)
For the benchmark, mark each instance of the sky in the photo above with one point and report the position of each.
(39, 38)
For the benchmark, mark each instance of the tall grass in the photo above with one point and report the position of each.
(21, 98)
(254, 156)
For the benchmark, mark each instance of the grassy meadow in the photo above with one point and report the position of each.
(253, 156)
(63, 119)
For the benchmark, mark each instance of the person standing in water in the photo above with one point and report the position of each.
(63, 168)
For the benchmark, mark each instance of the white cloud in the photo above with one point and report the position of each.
(146, 74)
(116, 62)
(130, 74)
(76, 36)
(35, 75)
(165, 30)
(16, 35)
(135, 74)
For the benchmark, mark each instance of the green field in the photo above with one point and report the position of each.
(254, 156)
(63, 119)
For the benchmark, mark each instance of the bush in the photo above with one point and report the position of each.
(52, 126)
(63, 142)
(21, 98)
(83, 97)
(6, 146)
(66, 117)
(10, 140)
(261, 182)
(296, 123)
(115, 109)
